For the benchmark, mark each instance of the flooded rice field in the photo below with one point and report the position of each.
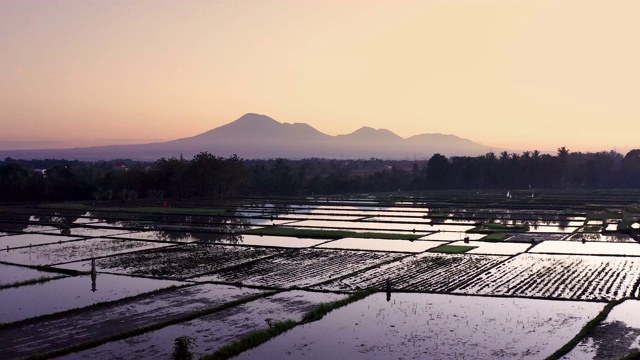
(73, 251)
(11, 274)
(71, 292)
(229, 324)
(433, 326)
(615, 337)
(560, 276)
(300, 267)
(589, 248)
(67, 329)
(443, 278)
(423, 272)
(178, 262)
(28, 240)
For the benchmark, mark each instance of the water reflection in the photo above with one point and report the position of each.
(531, 218)
(231, 237)
(94, 275)
(388, 287)
(181, 228)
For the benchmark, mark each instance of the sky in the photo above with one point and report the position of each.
(518, 75)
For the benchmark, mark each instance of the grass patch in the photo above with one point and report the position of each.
(327, 234)
(452, 249)
(323, 309)
(261, 336)
(495, 227)
(250, 341)
(591, 228)
(40, 280)
(626, 225)
(153, 327)
(586, 329)
(495, 237)
(602, 216)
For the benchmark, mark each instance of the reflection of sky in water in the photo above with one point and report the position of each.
(71, 292)
(10, 274)
(33, 239)
(214, 331)
(552, 229)
(588, 248)
(615, 337)
(432, 326)
(73, 251)
(627, 312)
(279, 241)
(400, 219)
(347, 225)
(318, 217)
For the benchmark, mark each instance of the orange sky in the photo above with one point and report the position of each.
(521, 75)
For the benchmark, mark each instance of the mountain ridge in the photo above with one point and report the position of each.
(256, 136)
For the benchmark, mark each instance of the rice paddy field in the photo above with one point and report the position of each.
(440, 275)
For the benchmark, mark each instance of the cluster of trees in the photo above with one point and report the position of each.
(209, 176)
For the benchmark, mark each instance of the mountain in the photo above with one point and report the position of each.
(255, 136)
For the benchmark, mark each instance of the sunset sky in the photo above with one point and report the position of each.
(520, 75)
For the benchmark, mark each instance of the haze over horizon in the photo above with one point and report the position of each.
(519, 75)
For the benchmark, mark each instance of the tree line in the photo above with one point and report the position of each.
(209, 176)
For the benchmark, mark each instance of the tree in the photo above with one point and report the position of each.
(437, 172)
(631, 168)
(563, 166)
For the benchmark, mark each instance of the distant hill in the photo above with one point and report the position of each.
(255, 136)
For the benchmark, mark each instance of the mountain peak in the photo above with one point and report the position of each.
(252, 118)
(371, 134)
(365, 129)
